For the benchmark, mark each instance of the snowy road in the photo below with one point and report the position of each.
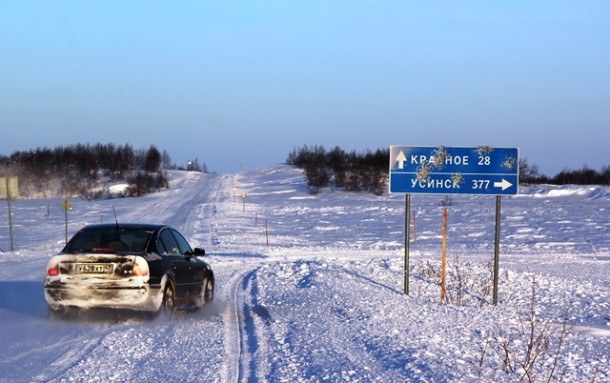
(102, 347)
(322, 302)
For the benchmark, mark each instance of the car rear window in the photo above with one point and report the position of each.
(109, 241)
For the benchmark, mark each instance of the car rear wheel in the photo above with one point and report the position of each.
(167, 304)
(207, 292)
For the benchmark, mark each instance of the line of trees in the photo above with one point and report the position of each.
(79, 169)
(368, 171)
(529, 174)
(584, 176)
(351, 171)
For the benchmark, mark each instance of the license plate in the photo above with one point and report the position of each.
(94, 268)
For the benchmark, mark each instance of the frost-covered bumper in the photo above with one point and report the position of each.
(111, 295)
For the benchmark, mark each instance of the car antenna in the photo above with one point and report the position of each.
(115, 218)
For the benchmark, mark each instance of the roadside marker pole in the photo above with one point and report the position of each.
(9, 189)
(414, 227)
(10, 213)
(497, 250)
(444, 255)
(65, 206)
(407, 236)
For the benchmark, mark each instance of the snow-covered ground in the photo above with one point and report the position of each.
(310, 288)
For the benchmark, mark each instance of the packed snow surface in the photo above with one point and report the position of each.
(310, 288)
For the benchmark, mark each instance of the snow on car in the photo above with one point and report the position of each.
(142, 267)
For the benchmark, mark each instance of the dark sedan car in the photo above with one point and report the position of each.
(142, 267)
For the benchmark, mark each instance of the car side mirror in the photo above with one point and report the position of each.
(198, 252)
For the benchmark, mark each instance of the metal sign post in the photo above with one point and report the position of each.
(407, 235)
(243, 199)
(480, 170)
(65, 207)
(444, 256)
(9, 189)
(497, 251)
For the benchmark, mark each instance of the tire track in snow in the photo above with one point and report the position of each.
(199, 213)
(232, 369)
(76, 350)
(185, 215)
(114, 347)
(241, 318)
(251, 342)
(195, 217)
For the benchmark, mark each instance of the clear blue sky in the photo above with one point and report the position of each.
(231, 81)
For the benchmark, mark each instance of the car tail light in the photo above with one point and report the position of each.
(140, 267)
(52, 268)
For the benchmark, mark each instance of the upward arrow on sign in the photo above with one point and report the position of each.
(401, 158)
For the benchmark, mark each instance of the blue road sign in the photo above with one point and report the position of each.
(454, 170)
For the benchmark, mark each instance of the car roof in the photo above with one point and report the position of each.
(123, 226)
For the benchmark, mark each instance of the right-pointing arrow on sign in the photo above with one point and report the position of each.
(504, 184)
